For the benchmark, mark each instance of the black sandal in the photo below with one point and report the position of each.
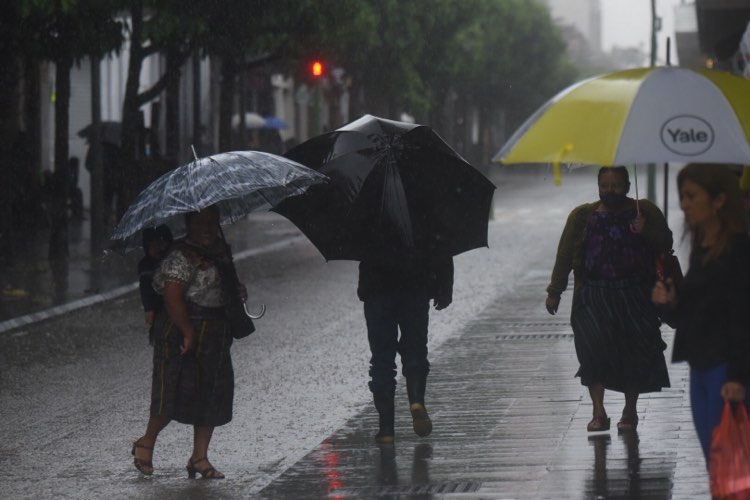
(144, 466)
(207, 473)
(627, 423)
(598, 424)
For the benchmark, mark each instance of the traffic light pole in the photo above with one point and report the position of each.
(317, 69)
(316, 110)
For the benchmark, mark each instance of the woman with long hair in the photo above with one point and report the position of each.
(708, 309)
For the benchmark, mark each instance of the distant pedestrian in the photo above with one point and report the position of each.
(156, 243)
(396, 296)
(74, 192)
(611, 246)
(709, 308)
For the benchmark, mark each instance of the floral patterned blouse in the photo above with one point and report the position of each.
(612, 251)
(203, 283)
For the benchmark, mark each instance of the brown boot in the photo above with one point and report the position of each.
(415, 388)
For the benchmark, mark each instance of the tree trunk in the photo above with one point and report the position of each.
(58, 238)
(95, 146)
(9, 105)
(197, 128)
(226, 100)
(128, 172)
(172, 117)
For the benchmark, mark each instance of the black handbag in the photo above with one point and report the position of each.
(240, 323)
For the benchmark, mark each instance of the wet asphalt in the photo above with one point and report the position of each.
(509, 417)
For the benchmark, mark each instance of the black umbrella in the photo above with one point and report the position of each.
(395, 188)
(109, 132)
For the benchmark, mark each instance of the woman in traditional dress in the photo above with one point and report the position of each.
(193, 380)
(611, 246)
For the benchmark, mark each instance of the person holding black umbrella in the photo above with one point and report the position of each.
(402, 202)
(397, 296)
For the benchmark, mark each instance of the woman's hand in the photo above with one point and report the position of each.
(149, 318)
(664, 294)
(733, 391)
(174, 302)
(188, 343)
(242, 291)
(552, 303)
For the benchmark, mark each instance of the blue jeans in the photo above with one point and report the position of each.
(385, 315)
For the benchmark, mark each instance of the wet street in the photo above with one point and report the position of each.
(509, 416)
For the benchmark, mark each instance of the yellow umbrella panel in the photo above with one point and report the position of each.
(641, 115)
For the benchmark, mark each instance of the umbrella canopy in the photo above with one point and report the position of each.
(273, 122)
(395, 188)
(643, 115)
(110, 132)
(252, 121)
(239, 182)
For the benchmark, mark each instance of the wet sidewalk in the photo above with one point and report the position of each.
(510, 423)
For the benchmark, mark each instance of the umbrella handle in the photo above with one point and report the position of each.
(556, 164)
(260, 314)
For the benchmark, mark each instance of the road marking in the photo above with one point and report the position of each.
(61, 309)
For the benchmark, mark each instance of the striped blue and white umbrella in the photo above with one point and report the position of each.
(238, 182)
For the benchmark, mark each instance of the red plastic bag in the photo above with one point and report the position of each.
(729, 458)
(668, 266)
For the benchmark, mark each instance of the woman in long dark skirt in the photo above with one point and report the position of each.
(611, 246)
(193, 380)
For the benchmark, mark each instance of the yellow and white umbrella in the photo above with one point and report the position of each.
(643, 115)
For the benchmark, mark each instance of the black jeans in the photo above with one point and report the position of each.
(385, 315)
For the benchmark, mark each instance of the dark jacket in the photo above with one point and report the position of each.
(711, 318)
(569, 257)
(432, 276)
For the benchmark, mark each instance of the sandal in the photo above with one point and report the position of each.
(144, 466)
(207, 473)
(598, 424)
(627, 424)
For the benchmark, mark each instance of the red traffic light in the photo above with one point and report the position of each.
(316, 69)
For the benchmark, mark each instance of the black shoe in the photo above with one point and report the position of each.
(385, 436)
(384, 404)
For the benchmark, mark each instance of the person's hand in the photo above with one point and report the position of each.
(242, 291)
(664, 293)
(638, 223)
(552, 303)
(441, 303)
(149, 318)
(733, 391)
(188, 342)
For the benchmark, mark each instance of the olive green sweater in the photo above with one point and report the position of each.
(570, 249)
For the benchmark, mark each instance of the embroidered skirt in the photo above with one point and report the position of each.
(198, 388)
(617, 338)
